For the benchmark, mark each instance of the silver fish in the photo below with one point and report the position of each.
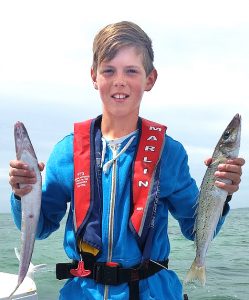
(31, 203)
(212, 199)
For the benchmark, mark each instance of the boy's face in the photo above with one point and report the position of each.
(121, 83)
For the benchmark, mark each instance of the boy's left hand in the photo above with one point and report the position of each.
(231, 169)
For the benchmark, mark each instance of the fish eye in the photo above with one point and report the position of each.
(226, 134)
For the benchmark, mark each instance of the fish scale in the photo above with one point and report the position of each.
(211, 199)
(30, 203)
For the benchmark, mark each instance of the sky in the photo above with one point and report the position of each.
(201, 55)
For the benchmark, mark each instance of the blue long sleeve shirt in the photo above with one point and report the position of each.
(178, 195)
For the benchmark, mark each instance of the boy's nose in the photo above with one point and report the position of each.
(119, 81)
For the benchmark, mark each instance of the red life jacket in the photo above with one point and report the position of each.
(87, 180)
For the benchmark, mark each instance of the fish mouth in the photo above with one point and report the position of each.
(237, 117)
(22, 140)
(230, 139)
(236, 121)
(20, 130)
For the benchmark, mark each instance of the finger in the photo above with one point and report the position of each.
(18, 164)
(230, 167)
(19, 168)
(234, 177)
(22, 191)
(236, 161)
(21, 172)
(41, 166)
(208, 161)
(230, 188)
(16, 180)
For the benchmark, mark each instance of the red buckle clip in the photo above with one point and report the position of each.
(112, 264)
(80, 271)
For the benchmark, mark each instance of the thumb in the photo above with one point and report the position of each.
(41, 166)
(208, 161)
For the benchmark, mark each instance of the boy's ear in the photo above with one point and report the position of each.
(94, 79)
(151, 79)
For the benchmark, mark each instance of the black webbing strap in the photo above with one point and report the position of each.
(134, 290)
(114, 275)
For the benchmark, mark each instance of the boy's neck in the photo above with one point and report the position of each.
(114, 128)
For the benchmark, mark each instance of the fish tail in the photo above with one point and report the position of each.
(196, 273)
(19, 282)
(10, 296)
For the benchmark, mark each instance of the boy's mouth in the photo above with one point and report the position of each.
(119, 96)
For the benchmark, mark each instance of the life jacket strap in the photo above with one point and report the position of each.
(113, 273)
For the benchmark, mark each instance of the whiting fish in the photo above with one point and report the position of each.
(30, 203)
(212, 199)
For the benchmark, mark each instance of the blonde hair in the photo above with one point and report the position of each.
(113, 37)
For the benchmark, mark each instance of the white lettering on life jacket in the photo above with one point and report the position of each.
(155, 128)
(139, 208)
(152, 138)
(81, 179)
(146, 159)
(150, 148)
(143, 183)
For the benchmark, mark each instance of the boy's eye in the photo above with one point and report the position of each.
(107, 71)
(132, 71)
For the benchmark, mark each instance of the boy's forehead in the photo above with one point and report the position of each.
(128, 50)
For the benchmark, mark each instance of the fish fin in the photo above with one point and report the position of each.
(196, 273)
(32, 269)
(196, 205)
(197, 197)
(194, 234)
(214, 234)
(17, 253)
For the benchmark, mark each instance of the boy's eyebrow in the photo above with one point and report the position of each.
(133, 66)
(106, 65)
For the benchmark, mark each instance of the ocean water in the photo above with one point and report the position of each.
(227, 259)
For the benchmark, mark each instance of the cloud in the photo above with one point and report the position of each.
(201, 53)
(4, 174)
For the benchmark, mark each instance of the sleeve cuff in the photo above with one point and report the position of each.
(17, 197)
(16, 203)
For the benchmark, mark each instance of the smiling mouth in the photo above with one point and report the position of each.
(120, 96)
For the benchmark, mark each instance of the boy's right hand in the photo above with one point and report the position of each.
(20, 173)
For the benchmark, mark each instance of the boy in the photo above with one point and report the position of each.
(110, 171)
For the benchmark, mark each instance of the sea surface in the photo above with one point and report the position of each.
(227, 259)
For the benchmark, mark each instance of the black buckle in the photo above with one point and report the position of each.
(106, 273)
(134, 275)
(140, 271)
